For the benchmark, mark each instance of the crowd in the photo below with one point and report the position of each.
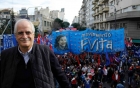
(89, 70)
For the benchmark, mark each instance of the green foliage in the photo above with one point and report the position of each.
(82, 29)
(65, 24)
(76, 25)
(58, 20)
(36, 31)
(3, 26)
(57, 24)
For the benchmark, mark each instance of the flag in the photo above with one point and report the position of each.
(38, 38)
(77, 59)
(50, 45)
(73, 29)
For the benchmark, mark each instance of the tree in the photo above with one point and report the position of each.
(82, 29)
(65, 24)
(3, 26)
(36, 31)
(76, 25)
(57, 24)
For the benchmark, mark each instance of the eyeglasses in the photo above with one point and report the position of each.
(22, 33)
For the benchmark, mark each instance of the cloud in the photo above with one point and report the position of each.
(71, 6)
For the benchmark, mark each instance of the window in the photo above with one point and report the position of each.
(6, 12)
(125, 25)
(125, 9)
(47, 23)
(106, 15)
(111, 14)
(44, 23)
(138, 25)
(117, 25)
(111, 3)
(121, 26)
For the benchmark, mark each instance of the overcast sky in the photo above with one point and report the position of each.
(72, 7)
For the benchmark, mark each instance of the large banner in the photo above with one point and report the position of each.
(88, 41)
(9, 41)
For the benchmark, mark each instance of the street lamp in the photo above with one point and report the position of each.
(31, 7)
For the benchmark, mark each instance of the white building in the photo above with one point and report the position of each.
(57, 14)
(4, 15)
(76, 19)
(86, 14)
(89, 13)
(43, 20)
(114, 14)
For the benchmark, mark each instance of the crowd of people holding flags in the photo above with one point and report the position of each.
(89, 70)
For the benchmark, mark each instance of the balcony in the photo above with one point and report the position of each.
(97, 14)
(96, 6)
(100, 11)
(100, 3)
(103, 1)
(96, 0)
(106, 9)
(94, 15)
(93, 2)
(93, 8)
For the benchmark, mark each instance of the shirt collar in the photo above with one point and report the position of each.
(26, 52)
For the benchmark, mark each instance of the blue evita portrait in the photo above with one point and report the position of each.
(60, 42)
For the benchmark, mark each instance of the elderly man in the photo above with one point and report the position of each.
(30, 65)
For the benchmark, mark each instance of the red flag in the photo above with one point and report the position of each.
(61, 29)
(77, 59)
(51, 46)
(74, 29)
(38, 38)
(99, 61)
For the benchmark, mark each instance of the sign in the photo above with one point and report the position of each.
(89, 41)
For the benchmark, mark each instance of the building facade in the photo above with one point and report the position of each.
(89, 12)
(76, 19)
(127, 15)
(4, 15)
(86, 18)
(23, 13)
(101, 12)
(42, 19)
(115, 14)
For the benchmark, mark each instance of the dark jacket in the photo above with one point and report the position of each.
(44, 64)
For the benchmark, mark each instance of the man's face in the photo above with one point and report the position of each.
(24, 35)
(62, 41)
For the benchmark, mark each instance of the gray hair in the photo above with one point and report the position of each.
(20, 20)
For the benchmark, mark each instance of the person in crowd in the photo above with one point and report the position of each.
(74, 82)
(61, 43)
(30, 65)
(95, 83)
(120, 85)
(87, 82)
(115, 78)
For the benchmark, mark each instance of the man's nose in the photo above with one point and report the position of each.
(24, 34)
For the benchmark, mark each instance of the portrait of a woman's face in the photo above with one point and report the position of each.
(61, 42)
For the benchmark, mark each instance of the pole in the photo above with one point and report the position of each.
(115, 18)
(11, 23)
